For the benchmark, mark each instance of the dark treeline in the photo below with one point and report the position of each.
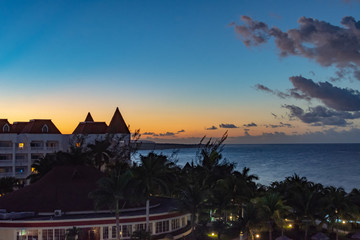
(220, 198)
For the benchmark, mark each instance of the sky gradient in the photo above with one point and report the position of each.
(179, 70)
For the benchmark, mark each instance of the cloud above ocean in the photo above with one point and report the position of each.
(327, 44)
(250, 125)
(227, 125)
(340, 99)
(321, 116)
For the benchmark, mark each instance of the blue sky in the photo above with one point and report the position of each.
(168, 65)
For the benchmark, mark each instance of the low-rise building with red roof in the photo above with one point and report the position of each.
(59, 201)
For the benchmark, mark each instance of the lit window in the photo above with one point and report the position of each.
(78, 144)
(21, 145)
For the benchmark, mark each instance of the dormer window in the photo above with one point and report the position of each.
(45, 129)
(6, 128)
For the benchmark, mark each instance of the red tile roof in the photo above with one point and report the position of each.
(17, 127)
(91, 128)
(64, 188)
(89, 118)
(41, 126)
(3, 122)
(117, 124)
(38, 125)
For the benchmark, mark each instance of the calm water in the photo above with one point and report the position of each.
(329, 164)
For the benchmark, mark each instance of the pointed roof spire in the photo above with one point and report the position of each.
(89, 118)
(117, 124)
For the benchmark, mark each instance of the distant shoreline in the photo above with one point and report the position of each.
(162, 146)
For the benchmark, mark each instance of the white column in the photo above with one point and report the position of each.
(13, 157)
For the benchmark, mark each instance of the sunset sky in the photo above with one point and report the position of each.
(265, 71)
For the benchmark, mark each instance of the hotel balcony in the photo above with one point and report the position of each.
(5, 163)
(6, 174)
(6, 149)
(6, 146)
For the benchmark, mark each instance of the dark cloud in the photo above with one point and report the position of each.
(250, 125)
(324, 136)
(327, 44)
(227, 125)
(148, 133)
(212, 128)
(341, 99)
(321, 116)
(281, 124)
(291, 93)
(167, 134)
(332, 135)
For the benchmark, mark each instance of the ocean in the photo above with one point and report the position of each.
(329, 164)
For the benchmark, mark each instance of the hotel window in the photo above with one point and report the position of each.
(175, 223)
(6, 128)
(59, 234)
(105, 233)
(48, 234)
(20, 170)
(21, 145)
(33, 234)
(126, 230)
(139, 227)
(113, 231)
(45, 129)
(21, 234)
(162, 226)
(183, 221)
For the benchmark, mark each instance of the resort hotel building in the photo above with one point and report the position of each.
(21, 143)
(48, 208)
(59, 201)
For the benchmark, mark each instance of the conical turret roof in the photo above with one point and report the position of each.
(117, 124)
(89, 118)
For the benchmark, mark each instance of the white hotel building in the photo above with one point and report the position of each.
(21, 143)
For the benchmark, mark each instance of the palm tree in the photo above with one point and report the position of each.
(7, 185)
(72, 233)
(153, 176)
(250, 221)
(272, 210)
(41, 167)
(111, 190)
(306, 199)
(338, 207)
(192, 198)
(100, 153)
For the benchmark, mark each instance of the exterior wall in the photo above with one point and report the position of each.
(19, 151)
(44, 230)
(7, 234)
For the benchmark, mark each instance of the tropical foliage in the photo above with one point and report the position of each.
(218, 195)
